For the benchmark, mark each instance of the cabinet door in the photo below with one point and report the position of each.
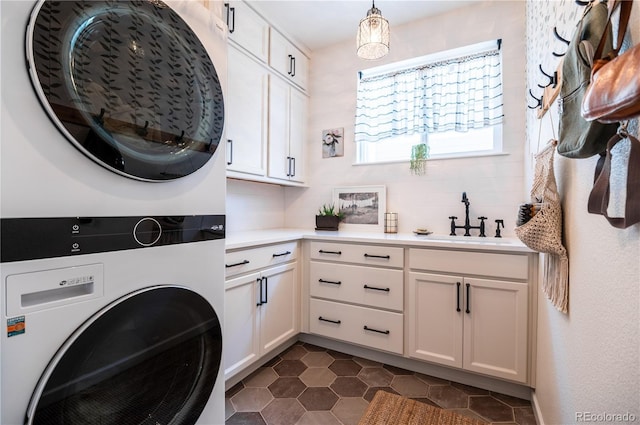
(248, 29)
(247, 114)
(278, 313)
(288, 60)
(435, 318)
(495, 328)
(241, 344)
(279, 158)
(297, 132)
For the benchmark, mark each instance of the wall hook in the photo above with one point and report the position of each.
(582, 3)
(553, 79)
(539, 104)
(559, 37)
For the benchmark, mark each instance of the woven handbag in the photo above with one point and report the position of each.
(543, 233)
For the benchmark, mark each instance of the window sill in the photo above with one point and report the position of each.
(438, 158)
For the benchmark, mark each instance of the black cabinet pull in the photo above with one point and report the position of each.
(282, 254)
(266, 290)
(231, 12)
(290, 65)
(468, 298)
(293, 161)
(288, 166)
(241, 263)
(337, 322)
(230, 143)
(458, 296)
(366, 328)
(293, 67)
(376, 289)
(386, 257)
(259, 280)
(322, 251)
(330, 281)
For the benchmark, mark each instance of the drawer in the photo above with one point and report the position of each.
(247, 260)
(382, 330)
(512, 266)
(370, 286)
(374, 255)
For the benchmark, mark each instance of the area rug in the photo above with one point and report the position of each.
(392, 409)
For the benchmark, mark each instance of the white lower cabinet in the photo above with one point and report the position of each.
(261, 311)
(357, 294)
(481, 325)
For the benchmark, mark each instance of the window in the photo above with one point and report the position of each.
(452, 101)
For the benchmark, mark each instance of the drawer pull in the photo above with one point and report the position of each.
(242, 263)
(322, 251)
(330, 281)
(259, 280)
(366, 328)
(458, 297)
(468, 298)
(337, 322)
(376, 289)
(386, 257)
(282, 254)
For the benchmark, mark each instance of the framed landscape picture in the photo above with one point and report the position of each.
(362, 207)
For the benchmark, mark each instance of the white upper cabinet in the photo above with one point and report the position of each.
(248, 86)
(247, 29)
(288, 60)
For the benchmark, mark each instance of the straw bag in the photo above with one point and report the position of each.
(543, 232)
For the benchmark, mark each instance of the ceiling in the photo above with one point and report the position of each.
(317, 23)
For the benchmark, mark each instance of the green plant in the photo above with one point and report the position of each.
(329, 210)
(419, 155)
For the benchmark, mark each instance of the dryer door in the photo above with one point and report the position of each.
(151, 357)
(128, 83)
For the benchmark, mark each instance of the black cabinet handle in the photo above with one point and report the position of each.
(230, 143)
(288, 166)
(290, 65)
(468, 298)
(366, 328)
(293, 67)
(458, 296)
(322, 251)
(386, 257)
(282, 254)
(376, 289)
(330, 281)
(266, 290)
(231, 11)
(337, 322)
(259, 280)
(293, 161)
(241, 263)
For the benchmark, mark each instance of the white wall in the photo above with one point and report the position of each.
(494, 184)
(589, 359)
(252, 206)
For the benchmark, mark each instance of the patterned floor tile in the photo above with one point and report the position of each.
(310, 385)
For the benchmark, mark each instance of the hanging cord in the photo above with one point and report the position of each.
(553, 130)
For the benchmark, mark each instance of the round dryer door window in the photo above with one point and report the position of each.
(151, 357)
(129, 83)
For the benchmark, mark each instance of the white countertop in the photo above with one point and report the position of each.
(238, 240)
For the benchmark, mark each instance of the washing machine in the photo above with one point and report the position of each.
(112, 187)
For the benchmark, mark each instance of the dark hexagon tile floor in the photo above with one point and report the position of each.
(307, 384)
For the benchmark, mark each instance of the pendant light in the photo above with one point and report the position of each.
(373, 35)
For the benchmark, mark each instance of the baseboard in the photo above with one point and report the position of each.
(536, 408)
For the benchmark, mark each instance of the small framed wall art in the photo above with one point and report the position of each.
(333, 142)
(362, 207)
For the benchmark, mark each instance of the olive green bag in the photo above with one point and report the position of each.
(579, 138)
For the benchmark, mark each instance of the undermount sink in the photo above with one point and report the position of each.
(489, 240)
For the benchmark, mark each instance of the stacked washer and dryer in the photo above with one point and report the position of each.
(112, 212)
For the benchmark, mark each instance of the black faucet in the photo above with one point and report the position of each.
(467, 226)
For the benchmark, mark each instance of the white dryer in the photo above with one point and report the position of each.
(112, 187)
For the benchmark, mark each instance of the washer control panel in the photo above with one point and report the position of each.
(35, 238)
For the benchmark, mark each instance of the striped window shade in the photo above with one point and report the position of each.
(456, 94)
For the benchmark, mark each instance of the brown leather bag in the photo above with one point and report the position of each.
(614, 92)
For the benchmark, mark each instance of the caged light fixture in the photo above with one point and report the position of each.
(373, 35)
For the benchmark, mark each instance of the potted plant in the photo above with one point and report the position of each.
(328, 217)
(419, 155)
